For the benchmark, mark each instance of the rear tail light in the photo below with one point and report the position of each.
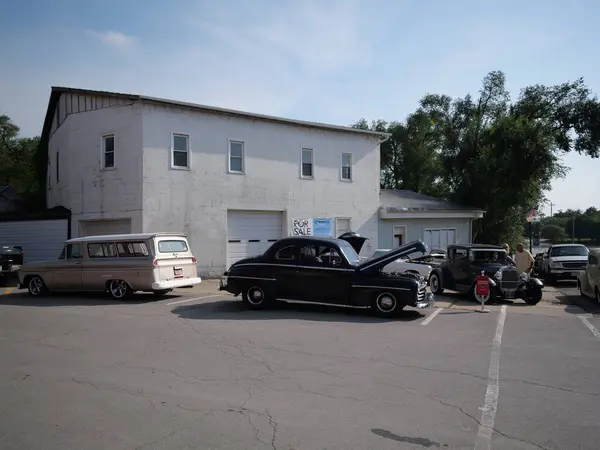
(155, 263)
(194, 259)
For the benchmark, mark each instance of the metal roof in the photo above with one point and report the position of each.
(57, 91)
(122, 237)
(401, 200)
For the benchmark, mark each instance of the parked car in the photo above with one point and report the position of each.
(403, 265)
(588, 280)
(120, 264)
(326, 270)
(11, 260)
(564, 261)
(465, 262)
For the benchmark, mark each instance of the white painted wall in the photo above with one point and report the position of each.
(196, 201)
(90, 192)
(415, 229)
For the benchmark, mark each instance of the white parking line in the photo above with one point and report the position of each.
(486, 426)
(592, 328)
(431, 316)
(192, 299)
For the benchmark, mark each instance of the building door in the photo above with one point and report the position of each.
(342, 225)
(251, 233)
(399, 236)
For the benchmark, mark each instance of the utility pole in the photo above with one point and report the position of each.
(573, 231)
(551, 205)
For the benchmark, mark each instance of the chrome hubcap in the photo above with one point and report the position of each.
(434, 282)
(386, 302)
(255, 295)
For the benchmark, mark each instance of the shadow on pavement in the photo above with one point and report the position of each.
(236, 310)
(585, 303)
(77, 299)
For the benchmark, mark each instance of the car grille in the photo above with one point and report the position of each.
(421, 293)
(575, 265)
(510, 279)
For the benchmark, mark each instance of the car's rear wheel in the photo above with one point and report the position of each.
(435, 284)
(36, 286)
(255, 297)
(579, 287)
(385, 304)
(119, 289)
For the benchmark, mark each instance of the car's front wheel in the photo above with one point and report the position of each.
(255, 297)
(385, 304)
(36, 286)
(435, 284)
(533, 296)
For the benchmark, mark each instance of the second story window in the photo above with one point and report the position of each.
(108, 151)
(346, 166)
(307, 163)
(236, 156)
(180, 151)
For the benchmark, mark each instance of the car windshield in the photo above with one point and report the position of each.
(570, 250)
(488, 255)
(349, 253)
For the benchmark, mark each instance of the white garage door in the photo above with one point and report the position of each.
(439, 238)
(102, 227)
(42, 240)
(250, 233)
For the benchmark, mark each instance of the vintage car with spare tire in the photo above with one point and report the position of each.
(327, 270)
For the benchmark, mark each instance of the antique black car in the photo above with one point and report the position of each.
(466, 262)
(327, 270)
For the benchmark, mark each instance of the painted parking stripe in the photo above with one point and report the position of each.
(431, 316)
(492, 392)
(591, 327)
(193, 299)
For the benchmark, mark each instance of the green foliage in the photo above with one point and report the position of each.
(578, 225)
(554, 233)
(489, 153)
(18, 167)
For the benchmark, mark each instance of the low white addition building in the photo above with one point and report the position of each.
(234, 182)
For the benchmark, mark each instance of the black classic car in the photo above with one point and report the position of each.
(326, 270)
(11, 260)
(465, 262)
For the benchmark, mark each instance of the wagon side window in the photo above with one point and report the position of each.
(102, 250)
(132, 249)
(286, 253)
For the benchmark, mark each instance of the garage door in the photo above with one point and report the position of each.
(439, 237)
(42, 240)
(250, 233)
(102, 227)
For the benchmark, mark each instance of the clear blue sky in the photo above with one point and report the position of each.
(330, 61)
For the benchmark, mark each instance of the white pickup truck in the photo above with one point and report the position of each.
(564, 261)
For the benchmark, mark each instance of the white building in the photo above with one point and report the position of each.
(232, 181)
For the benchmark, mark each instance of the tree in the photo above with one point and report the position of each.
(554, 233)
(487, 153)
(18, 167)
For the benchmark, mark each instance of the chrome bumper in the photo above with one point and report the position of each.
(222, 283)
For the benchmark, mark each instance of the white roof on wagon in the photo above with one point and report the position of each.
(123, 237)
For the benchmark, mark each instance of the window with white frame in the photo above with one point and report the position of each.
(307, 163)
(342, 225)
(180, 151)
(108, 151)
(236, 156)
(347, 166)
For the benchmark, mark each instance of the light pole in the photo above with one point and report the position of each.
(551, 205)
(573, 231)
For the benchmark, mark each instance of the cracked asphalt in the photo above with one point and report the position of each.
(84, 372)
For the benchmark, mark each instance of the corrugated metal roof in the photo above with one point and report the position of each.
(400, 200)
(57, 91)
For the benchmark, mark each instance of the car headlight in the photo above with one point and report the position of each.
(524, 276)
(553, 265)
(498, 275)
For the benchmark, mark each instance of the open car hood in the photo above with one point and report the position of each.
(355, 240)
(383, 260)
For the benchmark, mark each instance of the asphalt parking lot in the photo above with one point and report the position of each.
(199, 371)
